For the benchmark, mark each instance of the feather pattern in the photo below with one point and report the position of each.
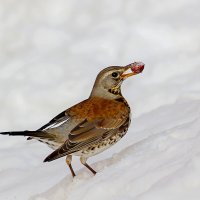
(93, 129)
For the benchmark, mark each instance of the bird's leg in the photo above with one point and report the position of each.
(68, 161)
(83, 161)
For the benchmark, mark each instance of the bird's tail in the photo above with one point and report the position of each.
(37, 134)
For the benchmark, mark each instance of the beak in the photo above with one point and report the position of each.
(135, 68)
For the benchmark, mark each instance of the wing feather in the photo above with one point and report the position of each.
(95, 123)
(56, 121)
(84, 135)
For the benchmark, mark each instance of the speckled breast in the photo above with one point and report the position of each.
(105, 144)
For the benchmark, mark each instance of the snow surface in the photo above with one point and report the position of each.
(50, 54)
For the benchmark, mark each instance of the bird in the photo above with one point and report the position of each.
(91, 126)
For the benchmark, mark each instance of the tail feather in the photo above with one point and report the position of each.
(39, 134)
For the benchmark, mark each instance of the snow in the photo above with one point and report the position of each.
(50, 53)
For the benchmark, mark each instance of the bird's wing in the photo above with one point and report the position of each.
(59, 119)
(56, 121)
(86, 134)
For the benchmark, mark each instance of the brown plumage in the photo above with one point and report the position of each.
(94, 124)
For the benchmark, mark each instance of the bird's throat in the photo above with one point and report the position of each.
(115, 91)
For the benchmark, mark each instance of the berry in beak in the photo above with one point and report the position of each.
(136, 68)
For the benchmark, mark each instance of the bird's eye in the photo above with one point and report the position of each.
(115, 74)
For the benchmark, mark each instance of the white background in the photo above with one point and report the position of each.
(50, 54)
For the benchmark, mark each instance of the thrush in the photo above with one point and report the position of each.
(92, 125)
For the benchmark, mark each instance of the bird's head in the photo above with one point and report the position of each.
(109, 80)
